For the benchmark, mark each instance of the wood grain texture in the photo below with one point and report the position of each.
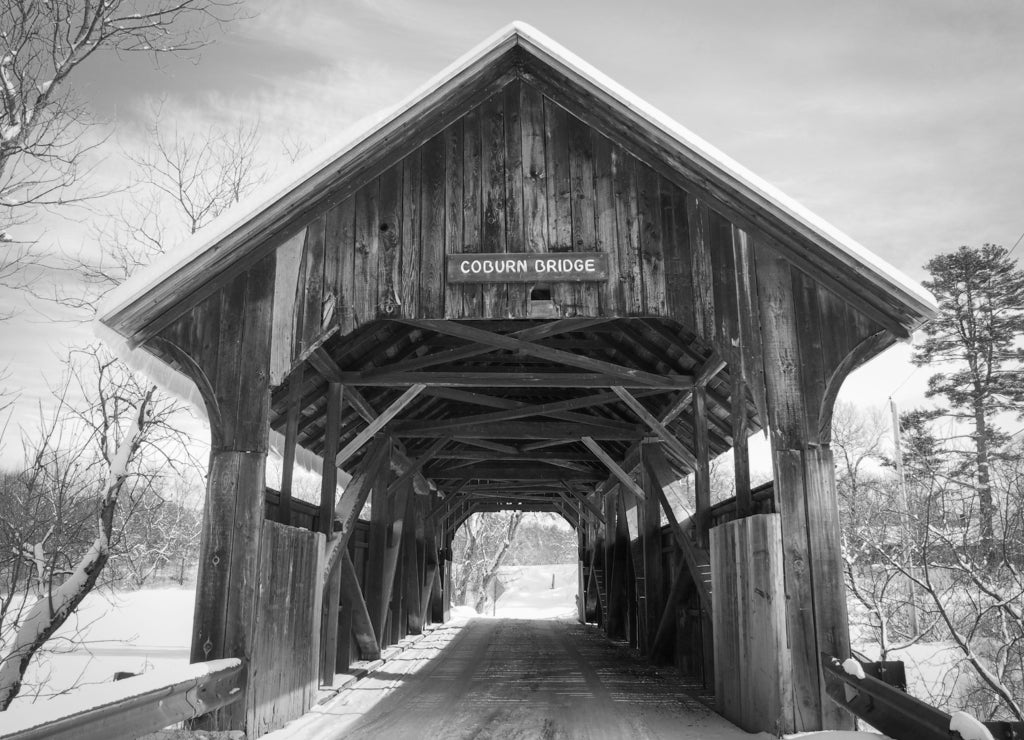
(494, 296)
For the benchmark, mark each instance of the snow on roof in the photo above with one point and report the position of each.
(210, 240)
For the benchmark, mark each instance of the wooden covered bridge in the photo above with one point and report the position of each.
(523, 288)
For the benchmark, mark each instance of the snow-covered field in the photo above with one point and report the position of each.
(133, 631)
(538, 592)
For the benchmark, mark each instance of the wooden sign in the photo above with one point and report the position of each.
(548, 267)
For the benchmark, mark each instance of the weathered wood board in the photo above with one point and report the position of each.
(752, 663)
(286, 651)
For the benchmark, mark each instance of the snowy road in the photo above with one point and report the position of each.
(503, 678)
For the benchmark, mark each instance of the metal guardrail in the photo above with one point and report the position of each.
(129, 708)
(895, 713)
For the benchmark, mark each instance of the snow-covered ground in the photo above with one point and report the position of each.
(538, 592)
(133, 631)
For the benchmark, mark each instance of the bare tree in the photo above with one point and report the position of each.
(873, 518)
(178, 186)
(42, 44)
(84, 467)
(479, 550)
(61, 591)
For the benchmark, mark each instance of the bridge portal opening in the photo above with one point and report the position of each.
(516, 564)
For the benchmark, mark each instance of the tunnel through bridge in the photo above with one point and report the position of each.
(522, 287)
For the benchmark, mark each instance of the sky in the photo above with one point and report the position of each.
(900, 123)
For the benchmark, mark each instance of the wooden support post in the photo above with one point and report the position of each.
(740, 453)
(581, 586)
(817, 620)
(412, 575)
(380, 529)
(446, 581)
(229, 553)
(615, 578)
(329, 479)
(702, 474)
(681, 583)
(291, 431)
(649, 524)
(343, 652)
(329, 633)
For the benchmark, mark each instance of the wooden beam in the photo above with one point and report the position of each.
(649, 526)
(613, 466)
(740, 452)
(549, 329)
(329, 479)
(702, 471)
(571, 502)
(503, 341)
(520, 410)
(657, 464)
(697, 560)
(329, 613)
(352, 499)
(377, 424)
(677, 591)
(411, 574)
(591, 506)
(417, 465)
(291, 433)
(546, 443)
(517, 472)
(487, 444)
(419, 427)
(711, 367)
(542, 430)
(478, 379)
(362, 625)
(656, 426)
(515, 454)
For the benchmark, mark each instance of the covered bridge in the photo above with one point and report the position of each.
(521, 288)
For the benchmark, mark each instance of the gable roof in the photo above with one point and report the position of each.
(141, 306)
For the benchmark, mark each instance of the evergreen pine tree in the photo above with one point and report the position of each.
(977, 335)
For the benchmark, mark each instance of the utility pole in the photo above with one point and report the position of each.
(904, 514)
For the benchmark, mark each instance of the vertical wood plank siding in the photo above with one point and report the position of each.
(520, 173)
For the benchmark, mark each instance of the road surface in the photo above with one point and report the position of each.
(504, 678)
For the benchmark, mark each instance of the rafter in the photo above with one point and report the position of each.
(504, 341)
(474, 349)
(377, 424)
(522, 410)
(623, 477)
(656, 426)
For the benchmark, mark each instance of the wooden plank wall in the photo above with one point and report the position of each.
(519, 173)
(752, 658)
(287, 643)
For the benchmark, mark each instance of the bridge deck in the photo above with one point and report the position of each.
(501, 678)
